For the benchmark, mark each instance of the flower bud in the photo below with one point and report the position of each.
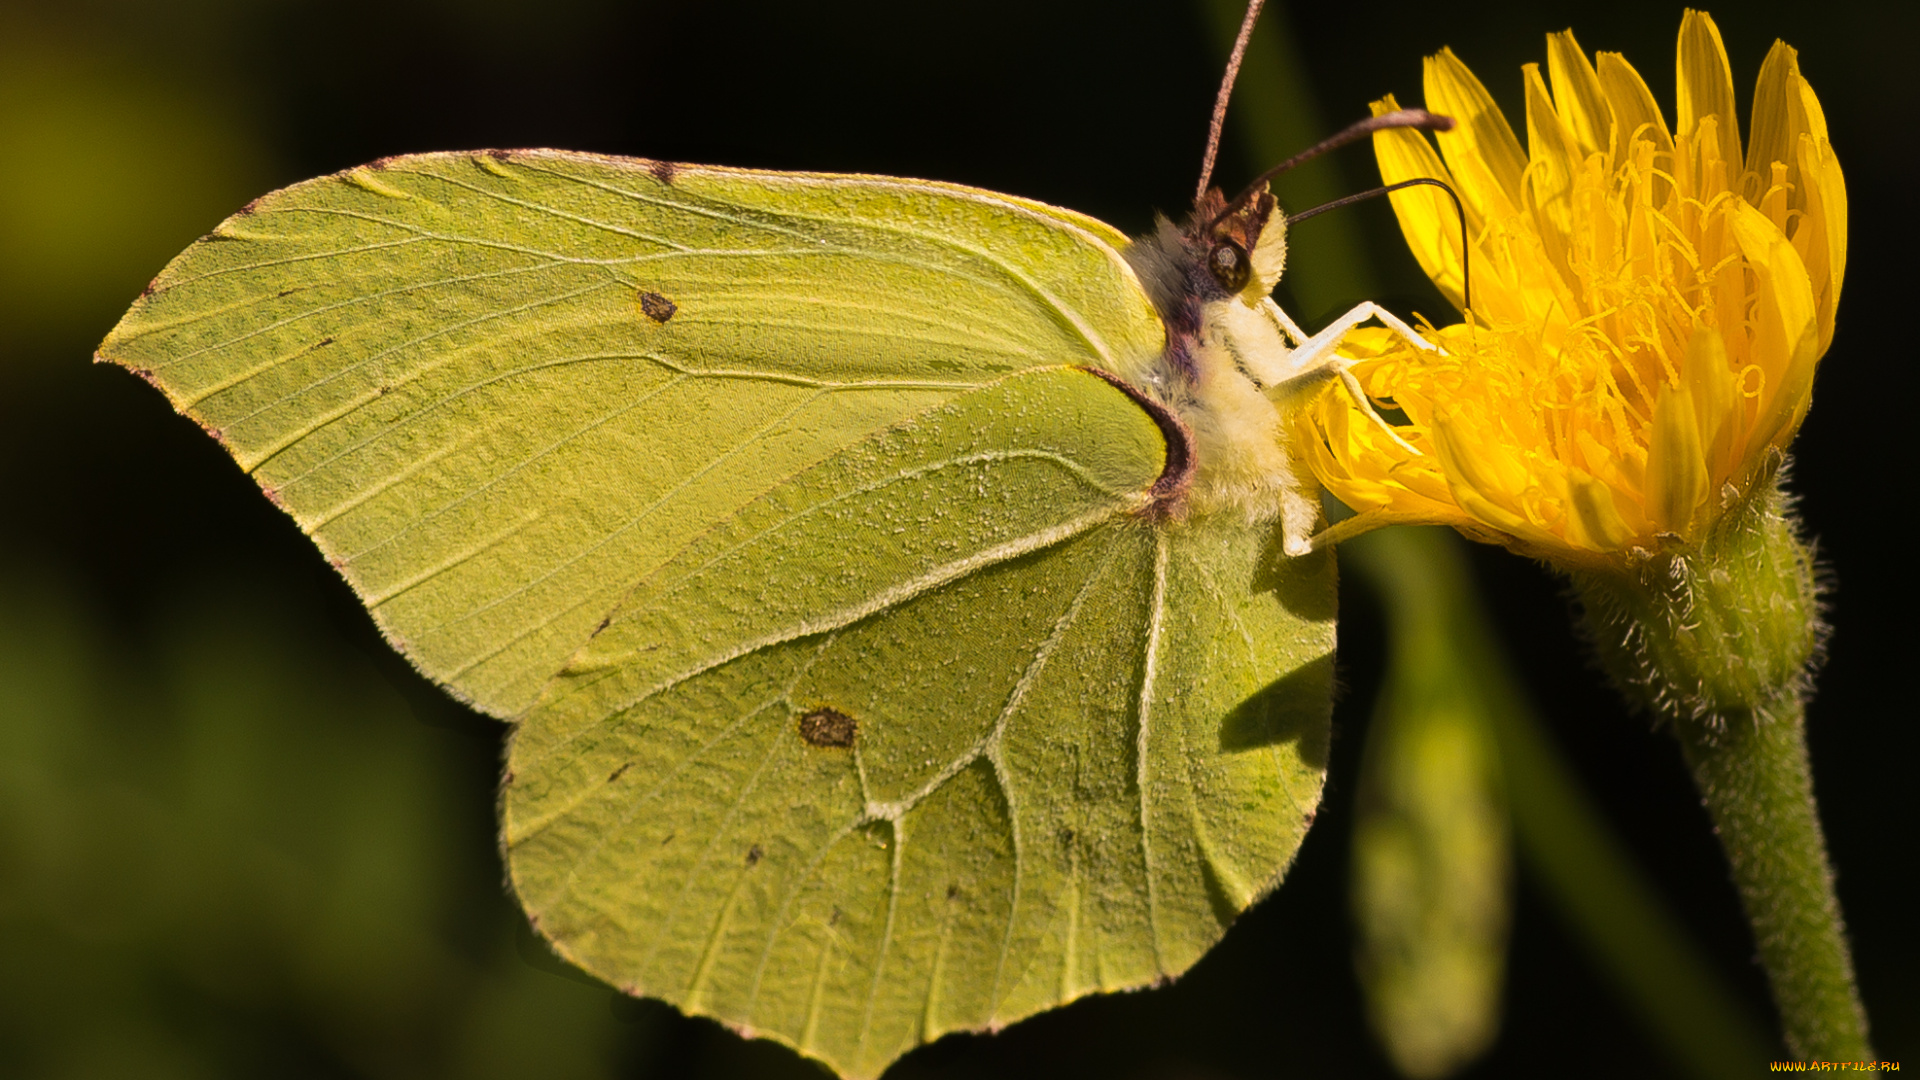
(1723, 628)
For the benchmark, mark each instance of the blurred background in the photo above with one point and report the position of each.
(240, 838)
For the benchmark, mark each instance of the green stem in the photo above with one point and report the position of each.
(1755, 781)
(1717, 639)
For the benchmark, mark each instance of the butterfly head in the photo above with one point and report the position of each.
(1221, 253)
(1245, 247)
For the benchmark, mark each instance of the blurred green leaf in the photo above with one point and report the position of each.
(224, 829)
(1607, 903)
(1432, 866)
(107, 168)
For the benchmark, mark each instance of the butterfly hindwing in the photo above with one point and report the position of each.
(1062, 760)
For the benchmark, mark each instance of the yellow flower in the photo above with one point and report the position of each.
(1647, 311)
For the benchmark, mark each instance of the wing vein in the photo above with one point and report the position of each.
(894, 874)
(550, 211)
(354, 301)
(374, 600)
(993, 748)
(268, 264)
(404, 422)
(517, 467)
(625, 526)
(273, 449)
(1149, 670)
(879, 601)
(706, 855)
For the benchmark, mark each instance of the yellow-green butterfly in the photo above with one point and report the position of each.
(898, 591)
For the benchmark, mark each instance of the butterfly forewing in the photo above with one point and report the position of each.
(498, 389)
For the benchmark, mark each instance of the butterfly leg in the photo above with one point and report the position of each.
(1313, 359)
(1308, 351)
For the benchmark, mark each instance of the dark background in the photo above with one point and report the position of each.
(239, 838)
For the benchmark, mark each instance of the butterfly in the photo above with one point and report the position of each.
(900, 593)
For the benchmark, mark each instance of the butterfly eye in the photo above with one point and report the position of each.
(1228, 262)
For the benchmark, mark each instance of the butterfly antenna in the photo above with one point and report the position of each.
(1398, 118)
(1466, 266)
(1226, 91)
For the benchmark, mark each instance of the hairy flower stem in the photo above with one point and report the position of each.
(1716, 639)
(1756, 784)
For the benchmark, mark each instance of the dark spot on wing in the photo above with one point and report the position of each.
(657, 307)
(663, 171)
(953, 891)
(754, 854)
(828, 728)
(619, 772)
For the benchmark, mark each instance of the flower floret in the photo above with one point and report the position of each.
(1648, 306)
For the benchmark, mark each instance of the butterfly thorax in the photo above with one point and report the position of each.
(1225, 354)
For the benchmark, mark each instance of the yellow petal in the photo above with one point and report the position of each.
(1706, 85)
(1634, 109)
(1481, 149)
(1821, 241)
(1553, 154)
(1577, 95)
(1618, 471)
(1772, 137)
(1677, 482)
(1331, 464)
(1427, 216)
(1710, 384)
(1595, 522)
(1823, 174)
(1474, 481)
(1810, 117)
(1786, 341)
